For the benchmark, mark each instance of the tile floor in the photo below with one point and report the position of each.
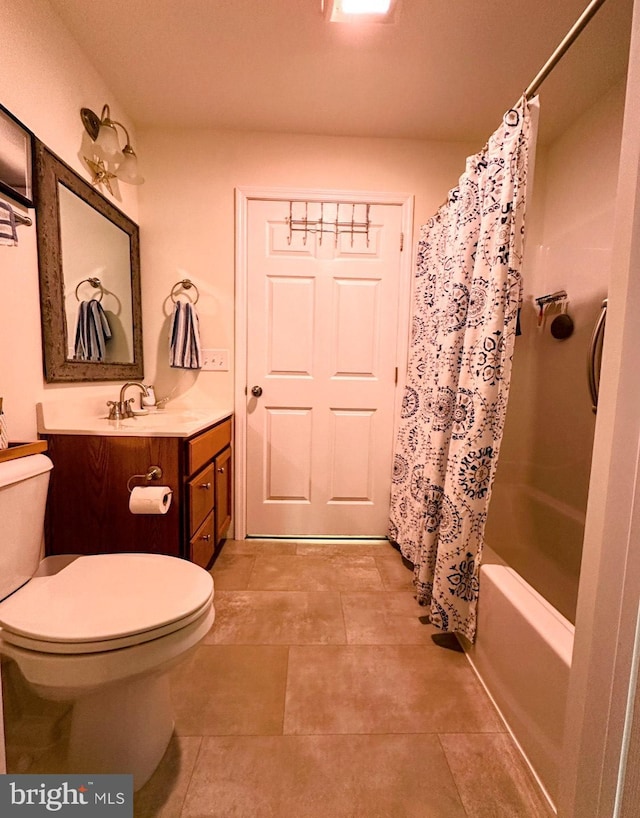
(320, 694)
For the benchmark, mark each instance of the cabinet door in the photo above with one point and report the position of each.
(201, 493)
(88, 505)
(223, 479)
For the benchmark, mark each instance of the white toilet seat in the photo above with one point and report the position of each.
(106, 602)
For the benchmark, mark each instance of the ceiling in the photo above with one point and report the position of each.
(443, 70)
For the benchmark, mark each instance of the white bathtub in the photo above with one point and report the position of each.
(522, 655)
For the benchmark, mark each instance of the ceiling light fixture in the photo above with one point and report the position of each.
(370, 11)
(120, 163)
(365, 6)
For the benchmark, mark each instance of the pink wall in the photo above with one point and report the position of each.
(187, 208)
(45, 78)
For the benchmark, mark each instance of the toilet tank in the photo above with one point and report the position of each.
(23, 495)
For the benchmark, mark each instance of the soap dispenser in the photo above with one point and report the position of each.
(149, 400)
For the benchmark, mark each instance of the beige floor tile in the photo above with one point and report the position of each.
(351, 548)
(163, 795)
(277, 618)
(492, 778)
(385, 618)
(230, 690)
(259, 547)
(322, 777)
(300, 573)
(231, 572)
(384, 689)
(394, 573)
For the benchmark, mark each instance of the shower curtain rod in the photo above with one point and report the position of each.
(565, 45)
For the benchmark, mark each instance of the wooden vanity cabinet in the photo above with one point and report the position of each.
(208, 505)
(88, 503)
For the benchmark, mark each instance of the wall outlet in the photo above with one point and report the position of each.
(215, 359)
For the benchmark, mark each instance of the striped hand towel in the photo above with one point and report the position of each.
(8, 232)
(92, 332)
(184, 337)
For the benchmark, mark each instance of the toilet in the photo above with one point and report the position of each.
(100, 631)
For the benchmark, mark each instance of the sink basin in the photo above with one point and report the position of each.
(57, 417)
(165, 416)
(165, 419)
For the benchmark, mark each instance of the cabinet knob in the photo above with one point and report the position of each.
(206, 537)
(221, 469)
(205, 486)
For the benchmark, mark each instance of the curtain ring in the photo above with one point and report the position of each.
(185, 284)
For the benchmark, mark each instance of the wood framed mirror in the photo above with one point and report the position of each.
(89, 263)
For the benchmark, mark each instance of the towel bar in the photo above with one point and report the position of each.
(20, 219)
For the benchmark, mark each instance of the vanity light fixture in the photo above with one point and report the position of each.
(369, 11)
(110, 160)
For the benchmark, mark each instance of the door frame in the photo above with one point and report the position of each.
(243, 196)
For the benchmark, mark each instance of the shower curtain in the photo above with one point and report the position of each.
(466, 299)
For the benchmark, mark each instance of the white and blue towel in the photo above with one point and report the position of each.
(184, 337)
(8, 232)
(92, 332)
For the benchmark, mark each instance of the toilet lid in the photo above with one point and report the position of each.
(107, 597)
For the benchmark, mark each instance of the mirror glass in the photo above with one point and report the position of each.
(89, 279)
(96, 268)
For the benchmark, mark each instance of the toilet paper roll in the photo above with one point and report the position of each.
(150, 500)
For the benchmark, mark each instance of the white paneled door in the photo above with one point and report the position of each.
(322, 326)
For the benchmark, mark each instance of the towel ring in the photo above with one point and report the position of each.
(95, 283)
(185, 284)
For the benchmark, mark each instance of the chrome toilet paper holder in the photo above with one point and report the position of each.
(153, 473)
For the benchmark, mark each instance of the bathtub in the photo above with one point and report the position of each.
(522, 656)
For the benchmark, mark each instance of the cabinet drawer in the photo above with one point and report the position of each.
(202, 543)
(204, 447)
(201, 491)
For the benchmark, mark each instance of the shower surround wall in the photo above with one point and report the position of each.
(537, 512)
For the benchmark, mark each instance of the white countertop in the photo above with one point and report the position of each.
(61, 418)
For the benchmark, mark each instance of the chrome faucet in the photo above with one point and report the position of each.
(122, 408)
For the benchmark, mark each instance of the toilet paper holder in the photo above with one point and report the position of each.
(153, 473)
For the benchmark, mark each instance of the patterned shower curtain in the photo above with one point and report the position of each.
(466, 300)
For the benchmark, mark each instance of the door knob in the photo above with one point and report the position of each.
(256, 391)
